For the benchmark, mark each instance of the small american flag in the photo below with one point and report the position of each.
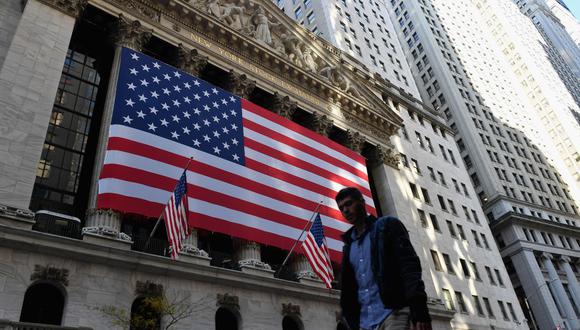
(255, 175)
(175, 216)
(316, 251)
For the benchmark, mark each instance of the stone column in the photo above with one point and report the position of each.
(192, 253)
(132, 35)
(247, 254)
(537, 293)
(240, 84)
(283, 106)
(558, 289)
(29, 79)
(303, 271)
(572, 281)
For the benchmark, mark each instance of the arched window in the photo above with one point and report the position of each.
(43, 303)
(225, 319)
(145, 314)
(291, 323)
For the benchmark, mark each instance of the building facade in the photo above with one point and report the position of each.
(435, 187)
(463, 70)
(67, 264)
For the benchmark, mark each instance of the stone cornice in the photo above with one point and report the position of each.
(71, 8)
(351, 94)
(81, 251)
(512, 218)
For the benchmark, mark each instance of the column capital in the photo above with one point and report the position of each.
(565, 259)
(71, 8)
(385, 155)
(546, 255)
(131, 34)
(354, 141)
(321, 124)
(239, 84)
(283, 106)
(190, 60)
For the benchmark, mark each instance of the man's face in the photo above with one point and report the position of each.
(352, 209)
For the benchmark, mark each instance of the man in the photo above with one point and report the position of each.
(381, 273)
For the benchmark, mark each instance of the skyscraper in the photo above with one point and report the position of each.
(431, 193)
(483, 66)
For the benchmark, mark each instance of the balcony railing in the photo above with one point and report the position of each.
(13, 325)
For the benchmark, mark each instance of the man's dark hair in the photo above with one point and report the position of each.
(348, 192)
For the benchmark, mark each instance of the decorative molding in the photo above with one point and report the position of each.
(321, 124)
(148, 289)
(355, 141)
(386, 155)
(6, 210)
(190, 60)
(283, 106)
(131, 34)
(50, 273)
(227, 300)
(71, 8)
(240, 85)
(104, 222)
(194, 250)
(291, 309)
(256, 32)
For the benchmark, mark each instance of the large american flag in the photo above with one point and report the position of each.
(175, 216)
(254, 174)
(316, 251)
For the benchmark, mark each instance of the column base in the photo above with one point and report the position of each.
(194, 255)
(120, 241)
(16, 218)
(314, 282)
(256, 267)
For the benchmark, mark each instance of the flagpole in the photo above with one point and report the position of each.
(299, 237)
(161, 215)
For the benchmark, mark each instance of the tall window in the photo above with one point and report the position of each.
(60, 168)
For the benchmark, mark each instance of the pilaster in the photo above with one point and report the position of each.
(565, 261)
(29, 79)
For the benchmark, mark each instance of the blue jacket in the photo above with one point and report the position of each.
(396, 269)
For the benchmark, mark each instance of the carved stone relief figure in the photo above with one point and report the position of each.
(309, 60)
(262, 26)
(234, 16)
(292, 47)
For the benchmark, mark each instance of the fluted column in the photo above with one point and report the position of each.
(301, 268)
(191, 251)
(572, 280)
(104, 227)
(559, 291)
(248, 256)
(283, 106)
(130, 34)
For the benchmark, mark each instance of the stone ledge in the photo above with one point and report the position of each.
(63, 247)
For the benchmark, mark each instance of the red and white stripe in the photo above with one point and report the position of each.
(175, 217)
(289, 170)
(319, 259)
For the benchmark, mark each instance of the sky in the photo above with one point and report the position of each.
(574, 6)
